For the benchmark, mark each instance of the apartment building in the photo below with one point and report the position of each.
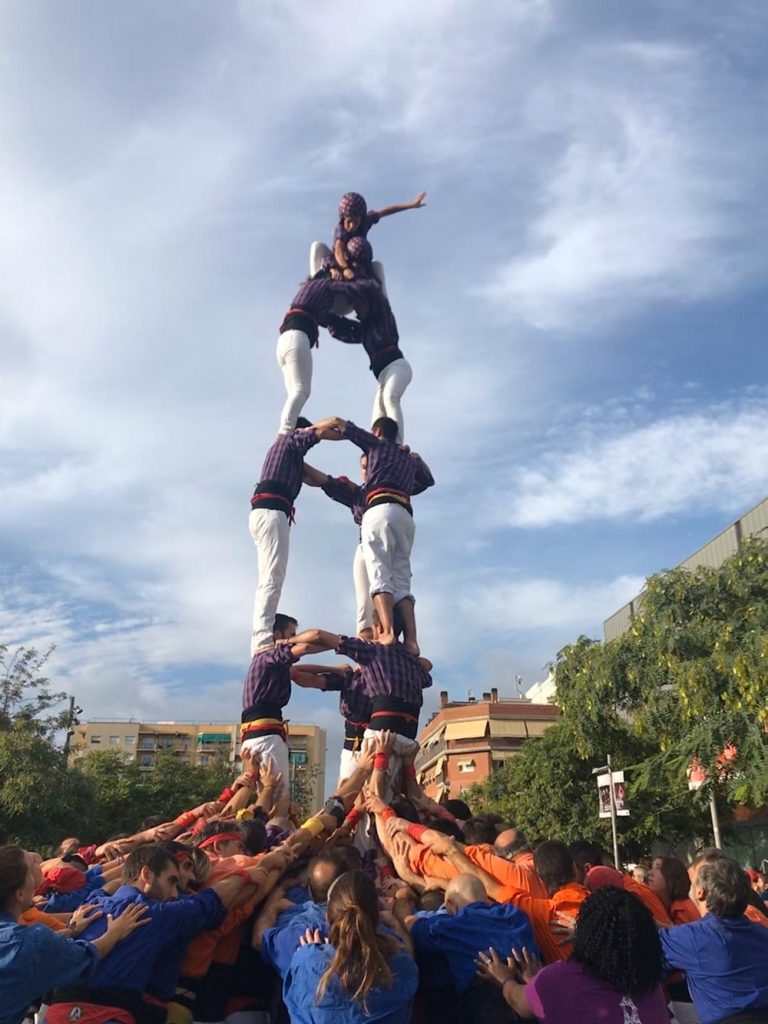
(195, 743)
(465, 741)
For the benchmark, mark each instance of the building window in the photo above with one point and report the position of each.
(204, 759)
(299, 757)
(95, 740)
(498, 765)
(130, 739)
(145, 760)
(114, 740)
(466, 766)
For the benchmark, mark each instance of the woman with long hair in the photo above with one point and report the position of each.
(357, 974)
(669, 879)
(613, 975)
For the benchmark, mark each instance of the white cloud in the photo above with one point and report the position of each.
(647, 200)
(685, 463)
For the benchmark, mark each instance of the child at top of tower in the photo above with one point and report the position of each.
(355, 221)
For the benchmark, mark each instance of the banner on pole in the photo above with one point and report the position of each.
(619, 795)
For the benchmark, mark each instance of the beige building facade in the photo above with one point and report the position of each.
(195, 743)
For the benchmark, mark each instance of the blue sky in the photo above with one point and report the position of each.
(583, 303)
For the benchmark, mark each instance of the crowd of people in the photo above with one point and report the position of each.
(382, 906)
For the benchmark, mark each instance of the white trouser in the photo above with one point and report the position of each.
(276, 748)
(401, 748)
(347, 764)
(319, 250)
(294, 357)
(362, 591)
(271, 534)
(387, 540)
(391, 384)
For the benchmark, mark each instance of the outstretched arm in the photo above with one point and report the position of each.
(313, 477)
(415, 204)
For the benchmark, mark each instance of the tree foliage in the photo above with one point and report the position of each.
(25, 697)
(688, 679)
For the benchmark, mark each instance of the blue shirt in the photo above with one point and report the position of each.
(66, 902)
(725, 961)
(34, 959)
(129, 965)
(461, 936)
(385, 1005)
(281, 942)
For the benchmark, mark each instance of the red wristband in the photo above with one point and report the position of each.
(353, 817)
(409, 771)
(380, 762)
(416, 831)
(186, 819)
(387, 813)
(225, 795)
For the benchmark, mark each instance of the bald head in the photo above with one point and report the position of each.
(509, 842)
(464, 889)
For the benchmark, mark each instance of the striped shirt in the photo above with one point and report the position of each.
(377, 333)
(343, 490)
(269, 677)
(388, 671)
(354, 702)
(283, 469)
(389, 465)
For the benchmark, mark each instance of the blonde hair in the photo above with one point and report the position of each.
(361, 960)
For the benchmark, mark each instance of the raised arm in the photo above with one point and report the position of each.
(415, 204)
(312, 641)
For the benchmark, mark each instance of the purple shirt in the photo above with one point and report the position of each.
(269, 677)
(346, 492)
(566, 993)
(388, 671)
(340, 233)
(283, 469)
(317, 297)
(389, 465)
(354, 702)
(377, 333)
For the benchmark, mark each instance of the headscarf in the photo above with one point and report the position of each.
(352, 205)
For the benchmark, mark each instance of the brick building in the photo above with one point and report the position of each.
(467, 740)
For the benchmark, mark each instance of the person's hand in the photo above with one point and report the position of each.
(401, 854)
(209, 809)
(348, 273)
(366, 754)
(169, 830)
(385, 741)
(526, 964)
(312, 938)
(563, 928)
(85, 914)
(374, 804)
(270, 776)
(418, 202)
(396, 825)
(278, 859)
(438, 842)
(133, 917)
(491, 967)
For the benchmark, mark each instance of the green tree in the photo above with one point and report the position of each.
(25, 697)
(690, 676)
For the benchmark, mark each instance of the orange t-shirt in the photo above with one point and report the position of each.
(684, 911)
(649, 899)
(223, 943)
(514, 876)
(542, 912)
(754, 915)
(35, 916)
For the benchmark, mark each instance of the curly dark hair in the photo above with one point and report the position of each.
(616, 940)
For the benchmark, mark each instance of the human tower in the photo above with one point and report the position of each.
(384, 691)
